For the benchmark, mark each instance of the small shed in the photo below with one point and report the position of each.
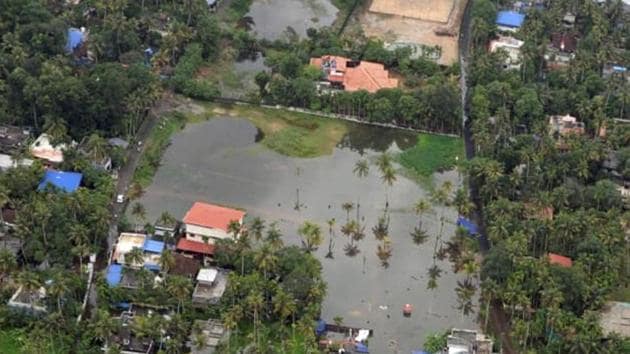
(66, 181)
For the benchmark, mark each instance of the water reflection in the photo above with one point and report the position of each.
(361, 138)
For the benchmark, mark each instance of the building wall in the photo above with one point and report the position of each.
(197, 233)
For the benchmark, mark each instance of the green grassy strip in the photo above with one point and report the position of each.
(10, 341)
(432, 153)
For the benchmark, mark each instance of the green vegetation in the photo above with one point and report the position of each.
(10, 341)
(432, 153)
(290, 133)
(547, 193)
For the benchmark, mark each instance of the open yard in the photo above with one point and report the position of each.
(425, 10)
(223, 160)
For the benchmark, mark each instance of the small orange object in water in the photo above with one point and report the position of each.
(407, 309)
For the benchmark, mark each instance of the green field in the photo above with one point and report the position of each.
(289, 133)
(432, 153)
(9, 342)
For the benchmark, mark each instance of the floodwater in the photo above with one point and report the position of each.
(219, 161)
(273, 19)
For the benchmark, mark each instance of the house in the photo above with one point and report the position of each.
(126, 243)
(13, 138)
(568, 21)
(559, 260)
(211, 330)
(7, 162)
(32, 300)
(561, 50)
(205, 223)
(463, 341)
(152, 252)
(117, 275)
(614, 70)
(43, 149)
(562, 126)
(66, 181)
(512, 47)
(126, 340)
(211, 284)
(615, 318)
(119, 143)
(213, 5)
(509, 21)
(185, 266)
(351, 75)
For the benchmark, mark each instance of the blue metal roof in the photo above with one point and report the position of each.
(75, 38)
(66, 181)
(467, 224)
(510, 19)
(114, 275)
(618, 68)
(153, 246)
(320, 328)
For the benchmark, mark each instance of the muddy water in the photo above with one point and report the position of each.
(273, 17)
(219, 161)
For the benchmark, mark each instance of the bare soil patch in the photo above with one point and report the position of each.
(425, 10)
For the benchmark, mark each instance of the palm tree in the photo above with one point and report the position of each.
(78, 234)
(384, 162)
(104, 326)
(311, 236)
(139, 213)
(135, 191)
(135, 257)
(255, 302)
(389, 176)
(30, 282)
(58, 289)
(283, 304)
(179, 288)
(266, 260)
(384, 251)
(234, 228)
(257, 227)
(331, 234)
(97, 147)
(167, 260)
(8, 263)
(419, 235)
(81, 251)
(274, 237)
(144, 327)
(347, 207)
(361, 168)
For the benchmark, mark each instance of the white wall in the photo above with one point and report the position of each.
(196, 233)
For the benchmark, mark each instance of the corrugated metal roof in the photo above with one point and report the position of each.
(114, 275)
(66, 181)
(510, 19)
(153, 246)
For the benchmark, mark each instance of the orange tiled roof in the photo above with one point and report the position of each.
(366, 75)
(187, 245)
(560, 260)
(212, 216)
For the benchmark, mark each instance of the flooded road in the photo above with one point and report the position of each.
(219, 161)
(273, 17)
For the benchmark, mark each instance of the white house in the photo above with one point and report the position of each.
(512, 47)
(43, 149)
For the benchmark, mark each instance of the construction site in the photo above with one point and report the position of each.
(430, 27)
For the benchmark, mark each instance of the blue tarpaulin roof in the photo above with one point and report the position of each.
(153, 267)
(123, 305)
(75, 38)
(114, 274)
(467, 224)
(153, 246)
(361, 348)
(321, 327)
(66, 181)
(510, 19)
(619, 68)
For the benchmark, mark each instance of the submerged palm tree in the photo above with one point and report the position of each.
(331, 234)
(311, 236)
(384, 251)
(361, 168)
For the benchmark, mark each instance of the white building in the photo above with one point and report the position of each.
(42, 148)
(206, 222)
(512, 47)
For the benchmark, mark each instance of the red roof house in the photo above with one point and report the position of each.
(212, 216)
(186, 245)
(559, 260)
(353, 75)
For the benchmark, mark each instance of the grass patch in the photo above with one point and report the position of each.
(622, 293)
(432, 153)
(158, 141)
(289, 133)
(9, 341)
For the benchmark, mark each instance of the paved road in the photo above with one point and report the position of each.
(498, 317)
(125, 177)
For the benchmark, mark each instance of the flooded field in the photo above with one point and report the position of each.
(272, 18)
(220, 161)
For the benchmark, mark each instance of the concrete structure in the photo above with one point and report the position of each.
(128, 342)
(211, 284)
(616, 318)
(43, 149)
(563, 126)
(561, 50)
(13, 138)
(7, 162)
(213, 332)
(512, 47)
(206, 222)
(464, 341)
(350, 75)
(29, 300)
(127, 242)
